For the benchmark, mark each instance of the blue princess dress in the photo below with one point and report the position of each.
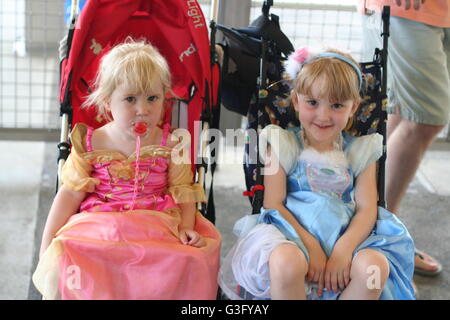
(320, 195)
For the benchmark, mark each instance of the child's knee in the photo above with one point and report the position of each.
(287, 262)
(371, 265)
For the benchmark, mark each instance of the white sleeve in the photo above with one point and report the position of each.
(363, 151)
(283, 143)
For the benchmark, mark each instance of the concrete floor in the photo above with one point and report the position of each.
(27, 183)
(20, 179)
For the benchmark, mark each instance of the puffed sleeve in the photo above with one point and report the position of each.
(364, 151)
(283, 143)
(181, 183)
(76, 173)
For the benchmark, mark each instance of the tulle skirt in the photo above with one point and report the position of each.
(244, 273)
(128, 255)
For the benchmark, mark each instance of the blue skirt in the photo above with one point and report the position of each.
(327, 218)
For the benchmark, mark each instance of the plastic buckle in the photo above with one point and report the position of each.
(251, 193)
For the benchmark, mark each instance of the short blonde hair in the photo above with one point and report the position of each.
(340, 80)
(136, 63)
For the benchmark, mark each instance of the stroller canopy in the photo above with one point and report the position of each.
(177, 28)
(244, 47)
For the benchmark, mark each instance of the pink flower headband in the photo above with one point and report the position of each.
(301, 55)
(297, 59)
(304, 55)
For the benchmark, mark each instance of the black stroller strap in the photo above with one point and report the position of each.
(384, 55)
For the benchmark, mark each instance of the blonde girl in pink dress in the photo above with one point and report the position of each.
(124, 223)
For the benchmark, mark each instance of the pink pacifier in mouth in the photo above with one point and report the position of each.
(140, 127)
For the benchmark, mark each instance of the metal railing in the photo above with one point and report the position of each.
(29, 64)
(309, 23)
(30, 32)
(29, 35)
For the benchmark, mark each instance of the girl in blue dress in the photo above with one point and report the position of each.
(320, 234)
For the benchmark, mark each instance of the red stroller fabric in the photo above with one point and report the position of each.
(177, 28)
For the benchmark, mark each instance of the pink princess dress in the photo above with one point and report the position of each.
(108, 251)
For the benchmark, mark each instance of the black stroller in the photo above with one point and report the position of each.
(265, 100)
(263, 97)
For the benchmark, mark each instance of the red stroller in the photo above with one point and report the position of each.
(124, 253)
(178, 29)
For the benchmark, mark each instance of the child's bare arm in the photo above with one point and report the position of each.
(65, 204)
(180, 171)
(275, 194)
(337, 274)
(365, 216)
(187, 233)
(187, 215)
(274, 197)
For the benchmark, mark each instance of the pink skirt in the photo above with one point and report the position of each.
(129, 255)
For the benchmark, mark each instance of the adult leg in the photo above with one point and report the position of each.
(368, 274)
(392, 123)
(420, 100)
(288, 268)
(406, 146)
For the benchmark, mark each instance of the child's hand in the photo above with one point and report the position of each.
(192, 238)
(337, 273)
(317, 264)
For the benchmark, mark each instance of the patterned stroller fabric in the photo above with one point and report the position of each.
(275, 102)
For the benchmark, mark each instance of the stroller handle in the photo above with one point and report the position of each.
(214, 11)
(74, 11)
(266, 7)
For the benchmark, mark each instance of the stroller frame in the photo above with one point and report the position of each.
(380, 58)
(209, 115)
(256, 191)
